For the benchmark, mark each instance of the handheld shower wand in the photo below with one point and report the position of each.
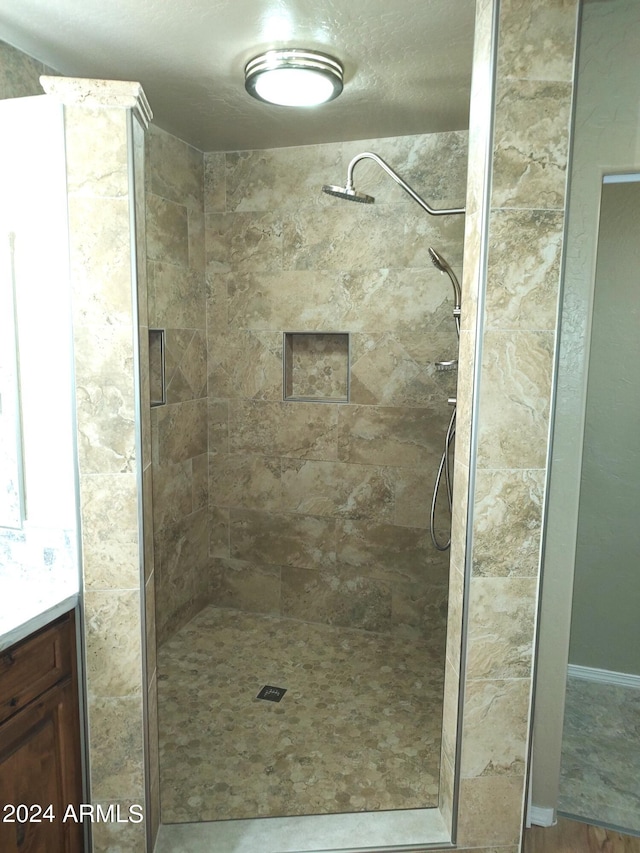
(444, 469)
(440, 264)
(349, 193)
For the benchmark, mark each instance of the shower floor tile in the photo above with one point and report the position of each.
(358, 728)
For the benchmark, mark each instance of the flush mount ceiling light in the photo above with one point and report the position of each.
(293, 78)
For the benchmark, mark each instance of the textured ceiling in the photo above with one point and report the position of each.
(407, 62)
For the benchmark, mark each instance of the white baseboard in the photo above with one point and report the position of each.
(539, 816)
(604, 676)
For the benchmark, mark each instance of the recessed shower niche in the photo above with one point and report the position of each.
(157, 380)
(316, 366)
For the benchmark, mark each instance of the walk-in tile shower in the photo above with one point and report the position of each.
(294, 467)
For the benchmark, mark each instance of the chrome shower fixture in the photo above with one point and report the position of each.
(440, 264)
(445, 469)
(444, 477)
(349, 193)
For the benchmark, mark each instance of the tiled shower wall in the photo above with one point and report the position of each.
(177, 304)
(320, 510)
(19, 73)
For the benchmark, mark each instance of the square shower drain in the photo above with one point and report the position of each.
(271, 694)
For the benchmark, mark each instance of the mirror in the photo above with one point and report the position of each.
(12, 493)
(38, 561)
(36, 488)
(601, 740)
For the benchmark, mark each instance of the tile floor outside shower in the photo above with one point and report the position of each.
(358, 728)
(601, 753)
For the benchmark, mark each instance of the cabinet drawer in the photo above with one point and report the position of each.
(34, 665)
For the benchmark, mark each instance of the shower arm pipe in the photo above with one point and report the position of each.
(368, 155)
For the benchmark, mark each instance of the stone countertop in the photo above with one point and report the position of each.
(27, 608)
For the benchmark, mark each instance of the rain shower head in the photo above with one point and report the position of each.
(348, 193)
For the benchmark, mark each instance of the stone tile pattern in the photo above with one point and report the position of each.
(19, 73)
(320, 511)
(179, 433)
(110, 468)
(510, 295)
(357, 730)
(176, 486)
(601, 753)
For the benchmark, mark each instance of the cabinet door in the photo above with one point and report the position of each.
(34, 665)
(40, 767)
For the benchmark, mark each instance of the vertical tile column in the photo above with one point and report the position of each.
(512, 251)
(480, 125)
(113, 444)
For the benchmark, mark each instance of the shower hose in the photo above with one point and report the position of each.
(444, 479)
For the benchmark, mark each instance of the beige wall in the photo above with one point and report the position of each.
(321, 509)
(605, 139)
(605, 632)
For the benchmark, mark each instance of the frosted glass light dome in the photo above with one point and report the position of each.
(294, 78)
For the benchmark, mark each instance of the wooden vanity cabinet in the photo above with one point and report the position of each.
(40, 764)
